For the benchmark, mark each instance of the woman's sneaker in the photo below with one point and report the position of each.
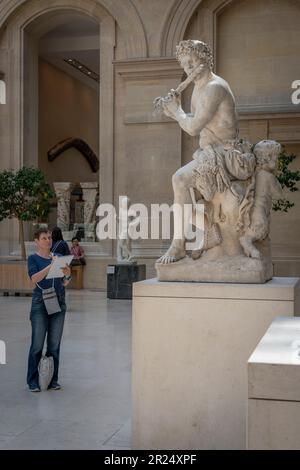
(34, 389)
(54, 387)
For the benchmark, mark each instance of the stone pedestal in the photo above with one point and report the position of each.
(191, 344)
(226, 269)
(274, 388)
(120, 278)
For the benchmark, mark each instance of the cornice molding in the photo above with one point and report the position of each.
(148, 69)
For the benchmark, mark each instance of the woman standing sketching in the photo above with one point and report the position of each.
(48, 309)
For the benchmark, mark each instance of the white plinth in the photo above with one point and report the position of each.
(274, 388)
(191, 344)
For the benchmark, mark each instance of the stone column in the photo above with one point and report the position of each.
(89, 194)
(63, 195)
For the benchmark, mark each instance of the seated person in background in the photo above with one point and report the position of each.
(78, 253)
(59, 246)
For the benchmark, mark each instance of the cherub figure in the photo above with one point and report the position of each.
(267, 188)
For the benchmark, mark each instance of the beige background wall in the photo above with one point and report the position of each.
(148, 146)
(67, 108)
(258, 46)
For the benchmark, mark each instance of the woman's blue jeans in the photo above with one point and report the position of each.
(43, 324)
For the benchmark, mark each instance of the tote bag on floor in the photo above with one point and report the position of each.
(46, 369)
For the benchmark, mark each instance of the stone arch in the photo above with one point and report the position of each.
(176, 23)
(124, 13)
(179, 17)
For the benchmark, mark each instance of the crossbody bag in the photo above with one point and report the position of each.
(50, 299)
(56, 246)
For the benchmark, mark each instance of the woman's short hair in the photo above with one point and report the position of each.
(38, 232)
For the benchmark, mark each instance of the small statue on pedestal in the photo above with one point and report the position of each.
(127, 220)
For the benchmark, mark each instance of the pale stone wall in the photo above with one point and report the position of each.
(147, 147)
(258, 45)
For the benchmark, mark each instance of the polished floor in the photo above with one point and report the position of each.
(92, 411)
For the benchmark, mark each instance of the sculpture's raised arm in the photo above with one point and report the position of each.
(159, 101)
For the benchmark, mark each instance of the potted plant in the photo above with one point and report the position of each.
(24, 195)
(288, 180)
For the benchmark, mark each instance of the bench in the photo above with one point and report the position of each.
(77, 277)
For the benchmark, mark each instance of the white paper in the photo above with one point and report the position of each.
(59, 262)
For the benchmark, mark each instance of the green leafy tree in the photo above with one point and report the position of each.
(288, 180)
(24, 195)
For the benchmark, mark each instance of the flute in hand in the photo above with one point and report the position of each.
(158, 102)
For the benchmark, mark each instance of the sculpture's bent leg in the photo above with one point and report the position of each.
(182, 180)
(119, 251)
(248, 247)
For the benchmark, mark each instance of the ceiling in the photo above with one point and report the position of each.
(75, 28)
(77, 38)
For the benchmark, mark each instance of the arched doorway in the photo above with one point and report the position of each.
(32, 34)
(57, 105)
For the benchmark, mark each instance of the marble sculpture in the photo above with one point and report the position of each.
(234, 179)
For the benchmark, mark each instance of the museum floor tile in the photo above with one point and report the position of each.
(92, 411)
